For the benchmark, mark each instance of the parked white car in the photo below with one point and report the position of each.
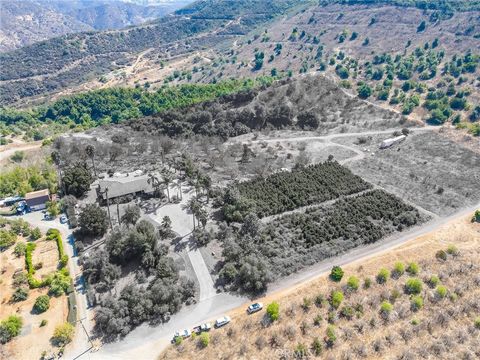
(182, 333)
(253, 308)
(222, 321)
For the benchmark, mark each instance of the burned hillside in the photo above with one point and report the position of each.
(309, 103)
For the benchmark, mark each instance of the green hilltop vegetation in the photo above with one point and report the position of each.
(114, 105)
(442, 5)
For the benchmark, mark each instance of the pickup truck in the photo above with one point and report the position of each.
(201, 328)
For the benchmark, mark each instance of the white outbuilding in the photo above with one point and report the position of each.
(389, 142)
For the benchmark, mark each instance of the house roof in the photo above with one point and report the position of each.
(37, 197)
(37, 194)
(124, 185)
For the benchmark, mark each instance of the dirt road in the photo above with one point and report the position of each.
(8, 150)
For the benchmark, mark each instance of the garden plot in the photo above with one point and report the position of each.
(426, 169)
(34, 339)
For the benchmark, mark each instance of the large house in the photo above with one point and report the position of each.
(37, 200)
(124, 185)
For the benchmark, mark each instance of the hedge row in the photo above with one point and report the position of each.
(54, 234)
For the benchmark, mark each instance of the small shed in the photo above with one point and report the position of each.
(37, 200)
(389, 142)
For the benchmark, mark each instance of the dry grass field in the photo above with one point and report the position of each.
(443, 328)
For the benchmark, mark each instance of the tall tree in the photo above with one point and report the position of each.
(194, 207)
(90, 151)
(155, 182)
(131, 215)
(167, 180)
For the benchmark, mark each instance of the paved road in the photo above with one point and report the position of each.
(182, 224)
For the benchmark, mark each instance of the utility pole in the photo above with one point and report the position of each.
(108, 209)
(118, 211)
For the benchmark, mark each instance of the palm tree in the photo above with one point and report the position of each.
(206, 183)
(167, 179)
(90, 151)
(155, 181)
(194, 207)
(55, 155)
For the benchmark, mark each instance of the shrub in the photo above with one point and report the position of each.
(416, 303)
(433, 281)
(63, 334)
(317, 320)
(415, 321)
(331, 336)
(336, 274)
(413, 286)
(19, 249)
(353, 283)
(59, 283)
(9, 328)
(394, 295)
(347, 312)
(20, 294)
(386, 308)
(383, 276)
(273, 311)
(307, 303)
(319, 300)
(42, 303)
(413, 268)
(441, 255)
(317, 347)
(43, 323)
(7, 239)
(398, 270)
(336, 299)
(476, 322)
(178, 340)
(441, 291)
(367, 283)
(300, 351)
(452, 250)
(204, 339)
(28, 258)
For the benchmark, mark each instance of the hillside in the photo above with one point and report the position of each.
(26, 22)
(416, 301)
(73, 59)
(419, 62)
